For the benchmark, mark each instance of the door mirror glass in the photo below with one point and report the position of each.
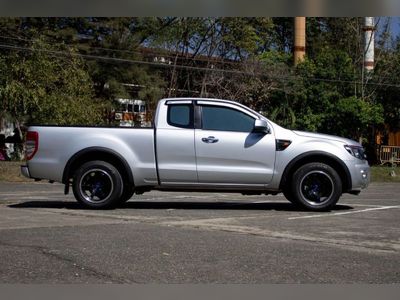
(261, 126)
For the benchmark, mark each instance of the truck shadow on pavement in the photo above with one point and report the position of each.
(184, 205)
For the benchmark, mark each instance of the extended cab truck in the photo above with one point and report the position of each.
(197, 145)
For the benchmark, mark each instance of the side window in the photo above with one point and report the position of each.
(180, 115)
(225, 119)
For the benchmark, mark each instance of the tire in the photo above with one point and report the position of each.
(127, 193)
(316, 186)
(97, 184)
(287, 192)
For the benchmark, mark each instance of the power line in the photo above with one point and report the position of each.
(217, 70)
(221, 62)
(119, 60)
(160, 52)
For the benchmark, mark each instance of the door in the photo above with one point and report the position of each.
(228, 152)
(176, 156)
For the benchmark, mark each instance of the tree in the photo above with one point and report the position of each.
(39, 86)
(206, 43)
(282, 35)
(327, 99)
(352, 117)
(245, 59)
(110, 38)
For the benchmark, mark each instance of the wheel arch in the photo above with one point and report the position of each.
(317, 156)
(98, 153)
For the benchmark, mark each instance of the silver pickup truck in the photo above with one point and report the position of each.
(197, 144)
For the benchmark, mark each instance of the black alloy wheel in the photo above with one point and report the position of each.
(97, 184)
(316, 186)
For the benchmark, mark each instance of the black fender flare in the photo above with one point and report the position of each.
(96, 153)
(318, 156)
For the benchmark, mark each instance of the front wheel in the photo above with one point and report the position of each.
(127, 193)
(287, 192)
(316, 186)
(97, 184)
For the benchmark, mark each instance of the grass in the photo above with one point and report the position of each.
(10, 171)
(382, 174)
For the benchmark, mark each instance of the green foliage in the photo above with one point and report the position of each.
(345, 34)
(353, 117)
(117, 38)
(234, 38)
(245, 35)
(282, 34)
(40, 87)
(323, 82)
(284, 114)
(122, 80)
(276, 58)
(320, 94)
(388, 71)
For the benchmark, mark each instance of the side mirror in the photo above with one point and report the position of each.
(261, 126)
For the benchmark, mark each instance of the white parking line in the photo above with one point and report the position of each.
(265, 201)
(356, 204)
(344, 213)
(30, 193)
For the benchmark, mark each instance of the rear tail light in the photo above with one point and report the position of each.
(31, 144)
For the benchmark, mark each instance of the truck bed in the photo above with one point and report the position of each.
(57, 144)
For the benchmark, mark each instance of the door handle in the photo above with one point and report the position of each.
(210, 140)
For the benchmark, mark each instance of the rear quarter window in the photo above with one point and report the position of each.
(180, 115)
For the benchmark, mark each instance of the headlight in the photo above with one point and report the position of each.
(356, 151)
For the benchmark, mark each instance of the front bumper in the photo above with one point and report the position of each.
(25, 171)
(360, 175)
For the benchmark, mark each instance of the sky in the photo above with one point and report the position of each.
(395, 26)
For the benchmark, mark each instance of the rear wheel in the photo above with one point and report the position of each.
(316, 186)
(97, 184)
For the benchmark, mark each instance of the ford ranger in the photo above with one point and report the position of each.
(197, 144)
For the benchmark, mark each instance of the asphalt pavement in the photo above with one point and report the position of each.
(46, 237)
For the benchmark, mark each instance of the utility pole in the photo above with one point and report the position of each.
(369, 52)
(369, 43)
(299, 39)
